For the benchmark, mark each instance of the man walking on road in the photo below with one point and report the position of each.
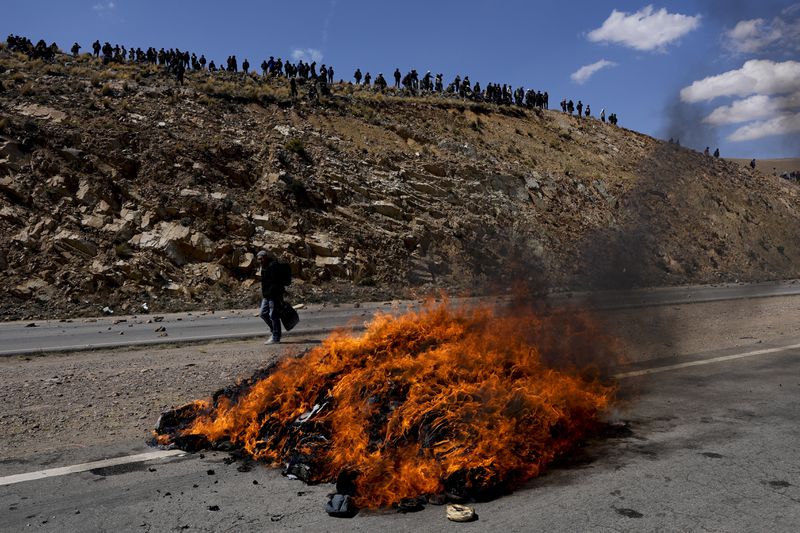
(272, 290)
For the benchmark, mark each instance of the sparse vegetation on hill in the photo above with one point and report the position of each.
(118, 187)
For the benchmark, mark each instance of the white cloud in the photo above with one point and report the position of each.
(757, 76)
(644, 30)
(764, 94)
(758, 35)
(583, 74)
(781, 125)
(772, 103)
(306, 54)
(748, 36)
(756, 107)
(104, 6)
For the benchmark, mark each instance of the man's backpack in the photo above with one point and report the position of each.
(284, 272)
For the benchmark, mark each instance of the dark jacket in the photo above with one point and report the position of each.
(271, 287)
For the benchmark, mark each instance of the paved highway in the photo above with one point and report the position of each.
(18, 338)
(712, 413)
(712, 446)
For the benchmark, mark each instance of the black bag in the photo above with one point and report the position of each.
(289, 317)
(284, 272)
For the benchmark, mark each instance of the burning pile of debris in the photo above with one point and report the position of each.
(434, 405)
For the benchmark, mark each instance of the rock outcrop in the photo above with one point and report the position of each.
(131, 189)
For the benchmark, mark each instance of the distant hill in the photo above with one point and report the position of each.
(120, 188)
(772, 166)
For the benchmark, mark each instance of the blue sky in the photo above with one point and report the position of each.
(712, 72)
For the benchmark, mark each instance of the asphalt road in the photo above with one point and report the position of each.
(712, 411)
(712, 447)
(17, 338)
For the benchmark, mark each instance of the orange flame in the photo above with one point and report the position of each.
(434, 401)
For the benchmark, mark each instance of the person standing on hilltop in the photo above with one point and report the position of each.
(380, 82)
(76, 48)
(108, 53)
(580, 108)
(357, 76)
(753, 164)
(245, 66)
(707, 151)
(397, 77)
(716, 153)
(368, 79)
(96, 48)
(180, 71)
(330, 75)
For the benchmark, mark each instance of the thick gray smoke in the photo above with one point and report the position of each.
(684, 123)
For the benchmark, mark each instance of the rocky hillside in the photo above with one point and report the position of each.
(119, 188)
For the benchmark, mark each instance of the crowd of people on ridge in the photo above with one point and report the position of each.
(792, 176)
(568, 106)
(40, 50)
(177, 62)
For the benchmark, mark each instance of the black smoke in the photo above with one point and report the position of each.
(684, 123)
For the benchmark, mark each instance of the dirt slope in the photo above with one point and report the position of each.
(119, 188)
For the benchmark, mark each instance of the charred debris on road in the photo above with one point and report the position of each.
(433, 406)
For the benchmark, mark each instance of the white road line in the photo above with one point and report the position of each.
(53, 472)
(659, 369)
(64, 470)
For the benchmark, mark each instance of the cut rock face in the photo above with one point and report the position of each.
(391, 197)
(71, 242)
(180, 243)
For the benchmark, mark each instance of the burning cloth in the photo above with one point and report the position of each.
(466, 403)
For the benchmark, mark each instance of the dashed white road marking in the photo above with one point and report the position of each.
(720, 359)
(161, 454)
(83, 467)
